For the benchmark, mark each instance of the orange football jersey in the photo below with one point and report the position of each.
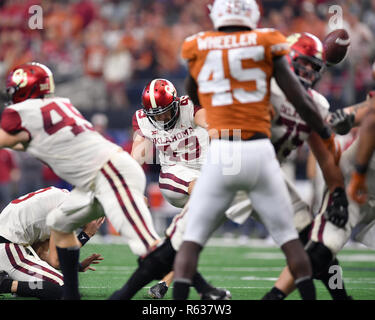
(233, 72)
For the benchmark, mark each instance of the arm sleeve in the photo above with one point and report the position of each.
(11, 121)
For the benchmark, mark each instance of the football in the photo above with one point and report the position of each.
(336, 45)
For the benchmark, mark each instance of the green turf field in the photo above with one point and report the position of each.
(248, 272)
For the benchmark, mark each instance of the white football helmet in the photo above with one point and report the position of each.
(234, 13)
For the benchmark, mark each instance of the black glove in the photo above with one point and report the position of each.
(337, 211)
(341, 122)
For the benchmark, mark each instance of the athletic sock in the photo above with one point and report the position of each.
(200, 284)
(274, 294)
(181, 288)
(69, 263)
(43, 290)
(6, 286)
(306, 288)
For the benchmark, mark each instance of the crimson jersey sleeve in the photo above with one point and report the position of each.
(11, 121)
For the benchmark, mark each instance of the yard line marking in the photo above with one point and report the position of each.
(356, 257)
(347, 280)
(252, 278)
(239, 269)
(115, 268)
(351, 257)
(89, 287)
(264, 255)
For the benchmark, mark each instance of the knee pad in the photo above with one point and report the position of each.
(320, 257)
(160, 261)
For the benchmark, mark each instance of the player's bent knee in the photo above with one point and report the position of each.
(320, 257)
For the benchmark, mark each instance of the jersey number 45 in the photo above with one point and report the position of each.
(67, 115)
(213, 79)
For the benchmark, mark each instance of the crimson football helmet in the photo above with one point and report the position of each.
(161, 104)
(306, 57)
(29, 81)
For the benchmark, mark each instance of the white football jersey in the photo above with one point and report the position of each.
(60, 137)
(288, 130)
(185, 144)
(23, 221)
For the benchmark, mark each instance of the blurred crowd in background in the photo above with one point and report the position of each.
(103, 52)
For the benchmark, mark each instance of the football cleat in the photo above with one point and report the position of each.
(216, 294)
(158, 291)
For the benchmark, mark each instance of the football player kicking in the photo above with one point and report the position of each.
(53, 130)
(230, 72)
(177, 129)
(359, 175)
(28, 259)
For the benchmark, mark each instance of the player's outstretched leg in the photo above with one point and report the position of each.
(154, 266)
(159, 264)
